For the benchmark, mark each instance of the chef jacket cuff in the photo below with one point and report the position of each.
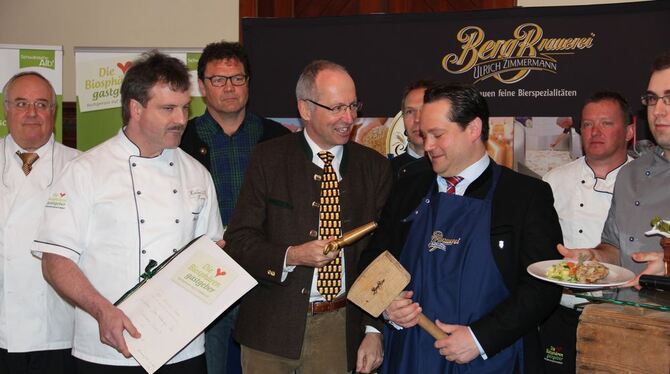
(479, 346)
(42, 247)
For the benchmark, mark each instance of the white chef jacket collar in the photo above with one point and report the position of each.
(603, 185)
(589, 173)
(167, 155)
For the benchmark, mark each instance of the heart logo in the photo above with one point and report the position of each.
(62, 194)
(219, 272)
(124, 67)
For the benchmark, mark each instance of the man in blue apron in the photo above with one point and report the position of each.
(466, 231)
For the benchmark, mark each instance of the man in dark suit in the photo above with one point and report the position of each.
(466, 230)
(289, 323)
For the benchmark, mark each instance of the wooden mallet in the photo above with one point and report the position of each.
(379, 284)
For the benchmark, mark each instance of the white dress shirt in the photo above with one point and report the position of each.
(412, 152)
(112, 212)
(469, 175)
(32, 316)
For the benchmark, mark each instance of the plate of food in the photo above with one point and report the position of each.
(580, 274)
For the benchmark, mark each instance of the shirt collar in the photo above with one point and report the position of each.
(412, 152)
(469, 175)
(337, 150)
(42, 151)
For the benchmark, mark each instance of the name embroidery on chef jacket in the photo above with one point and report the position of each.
(438, 241)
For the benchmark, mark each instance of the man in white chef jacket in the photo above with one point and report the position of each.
(582, 196)
(131, 199)
(35, 323)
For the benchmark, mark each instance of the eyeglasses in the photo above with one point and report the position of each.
(24, 105)
(339, 109)
(235, 80)
(651, 99)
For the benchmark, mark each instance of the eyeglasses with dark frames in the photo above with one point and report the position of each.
(235, 80)
(339, 109)
(650, 99)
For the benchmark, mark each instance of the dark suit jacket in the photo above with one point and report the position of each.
(277, 208)
(523, 215)
(403, 164)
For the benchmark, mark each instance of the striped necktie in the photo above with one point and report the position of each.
(28, 159)
(451, 184)
(329, 280)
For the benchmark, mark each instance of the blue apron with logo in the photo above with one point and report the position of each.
(454, 278)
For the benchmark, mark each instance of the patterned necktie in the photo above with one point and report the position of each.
(451, 184)
(28, 159)
(329, 281)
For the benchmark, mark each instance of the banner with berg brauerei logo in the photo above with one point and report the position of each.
(535, 66)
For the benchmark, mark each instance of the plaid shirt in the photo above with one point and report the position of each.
(228, 156)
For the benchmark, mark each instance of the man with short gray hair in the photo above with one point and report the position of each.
(35, 323)
(300, 191)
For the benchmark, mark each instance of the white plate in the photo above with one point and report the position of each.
(616, 277)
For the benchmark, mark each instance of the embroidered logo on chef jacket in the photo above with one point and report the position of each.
(197, 199)
(57, 200)
(438, 241)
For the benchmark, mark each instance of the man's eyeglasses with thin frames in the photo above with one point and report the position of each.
(339, 109)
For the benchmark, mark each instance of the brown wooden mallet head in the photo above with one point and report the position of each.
(379, 284)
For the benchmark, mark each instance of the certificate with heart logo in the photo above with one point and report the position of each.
(204, 277)
(182, 297)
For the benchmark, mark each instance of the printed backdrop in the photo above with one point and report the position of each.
(100, 72)
(534, 65)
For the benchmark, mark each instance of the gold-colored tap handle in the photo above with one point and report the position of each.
(350, 237)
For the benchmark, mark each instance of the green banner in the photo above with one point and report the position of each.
(42, 58)
(192, 60)
(99, 75)
(95, 127)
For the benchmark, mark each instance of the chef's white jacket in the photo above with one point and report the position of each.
(112, 212)
(582, 201)
(32, 316)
